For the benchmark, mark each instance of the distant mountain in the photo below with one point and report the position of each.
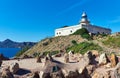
(12, 44)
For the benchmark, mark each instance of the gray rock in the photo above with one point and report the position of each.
(103, 59)
(14, 67)
(6, 73)
(117, 71)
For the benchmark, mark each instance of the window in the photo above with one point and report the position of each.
(71, 31)
(59, 32)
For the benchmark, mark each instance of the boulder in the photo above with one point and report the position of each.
(14, 67)
(113, 60)
(117, 71)
(66, 58)
(87, 58)
(73, 74)
(39, 59)
(49, 57)
(36, 75)
(103, 59)
(90, 69)
(101, 75)
(6, 73)
(46, 75)
(77, 57)
(84, 72)
(95, 53)
(57, 74)
(32, 75)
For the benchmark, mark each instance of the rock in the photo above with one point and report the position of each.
(39, 59)
(108, 65)
(6, 73)
(65, 72)
(117, 71)
(66, 58)
(41, 74)
(87, 59)
(70, 52)
(73, 74)
(36, 75)
(46, 75)
(55, 69)
(49, 57)
(101, 75)
(84, 72)
(113, 60)
(97, 75)
(57, 74)
(14, 67)
(81, 69)
(25, 56)
(77, 57)
(95, 53)
(103, 59)
(33, 75)
(57, 55)
(90, 69)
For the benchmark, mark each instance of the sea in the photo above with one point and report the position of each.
(9, 52)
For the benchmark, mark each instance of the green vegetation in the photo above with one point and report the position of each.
(22, 51)
(113, 42)
(74, 42)
(84, 33)
(84, 47)
(51, 53)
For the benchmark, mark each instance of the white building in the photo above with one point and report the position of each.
(84, 23)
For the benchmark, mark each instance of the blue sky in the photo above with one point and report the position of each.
(33, 20)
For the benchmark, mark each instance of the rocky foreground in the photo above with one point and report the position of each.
(67, 65)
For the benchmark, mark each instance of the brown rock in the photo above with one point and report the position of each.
(113, 60)
(87, 59)
(101, 75)
(36, 75)
(73, 74)
(66, 58)
(39, 59)
(117, 71)
(90, 69)
(6, 73)
(95, 53)
(46, 75)
(57, 74)
(14, 67)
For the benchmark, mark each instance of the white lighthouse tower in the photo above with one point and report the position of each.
(84, 20)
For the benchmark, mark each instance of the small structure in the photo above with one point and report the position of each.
(84, 23)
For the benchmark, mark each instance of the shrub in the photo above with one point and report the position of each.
(83, 32)
(23, 50)
(45, 43)
(74, 42)
(84, 47)
(112, 42)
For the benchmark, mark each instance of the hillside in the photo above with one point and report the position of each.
(76, 43)
(12, 44)
(55, 44)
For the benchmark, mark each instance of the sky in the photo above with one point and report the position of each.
(33, 20)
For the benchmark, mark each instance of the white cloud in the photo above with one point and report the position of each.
(72, 7)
